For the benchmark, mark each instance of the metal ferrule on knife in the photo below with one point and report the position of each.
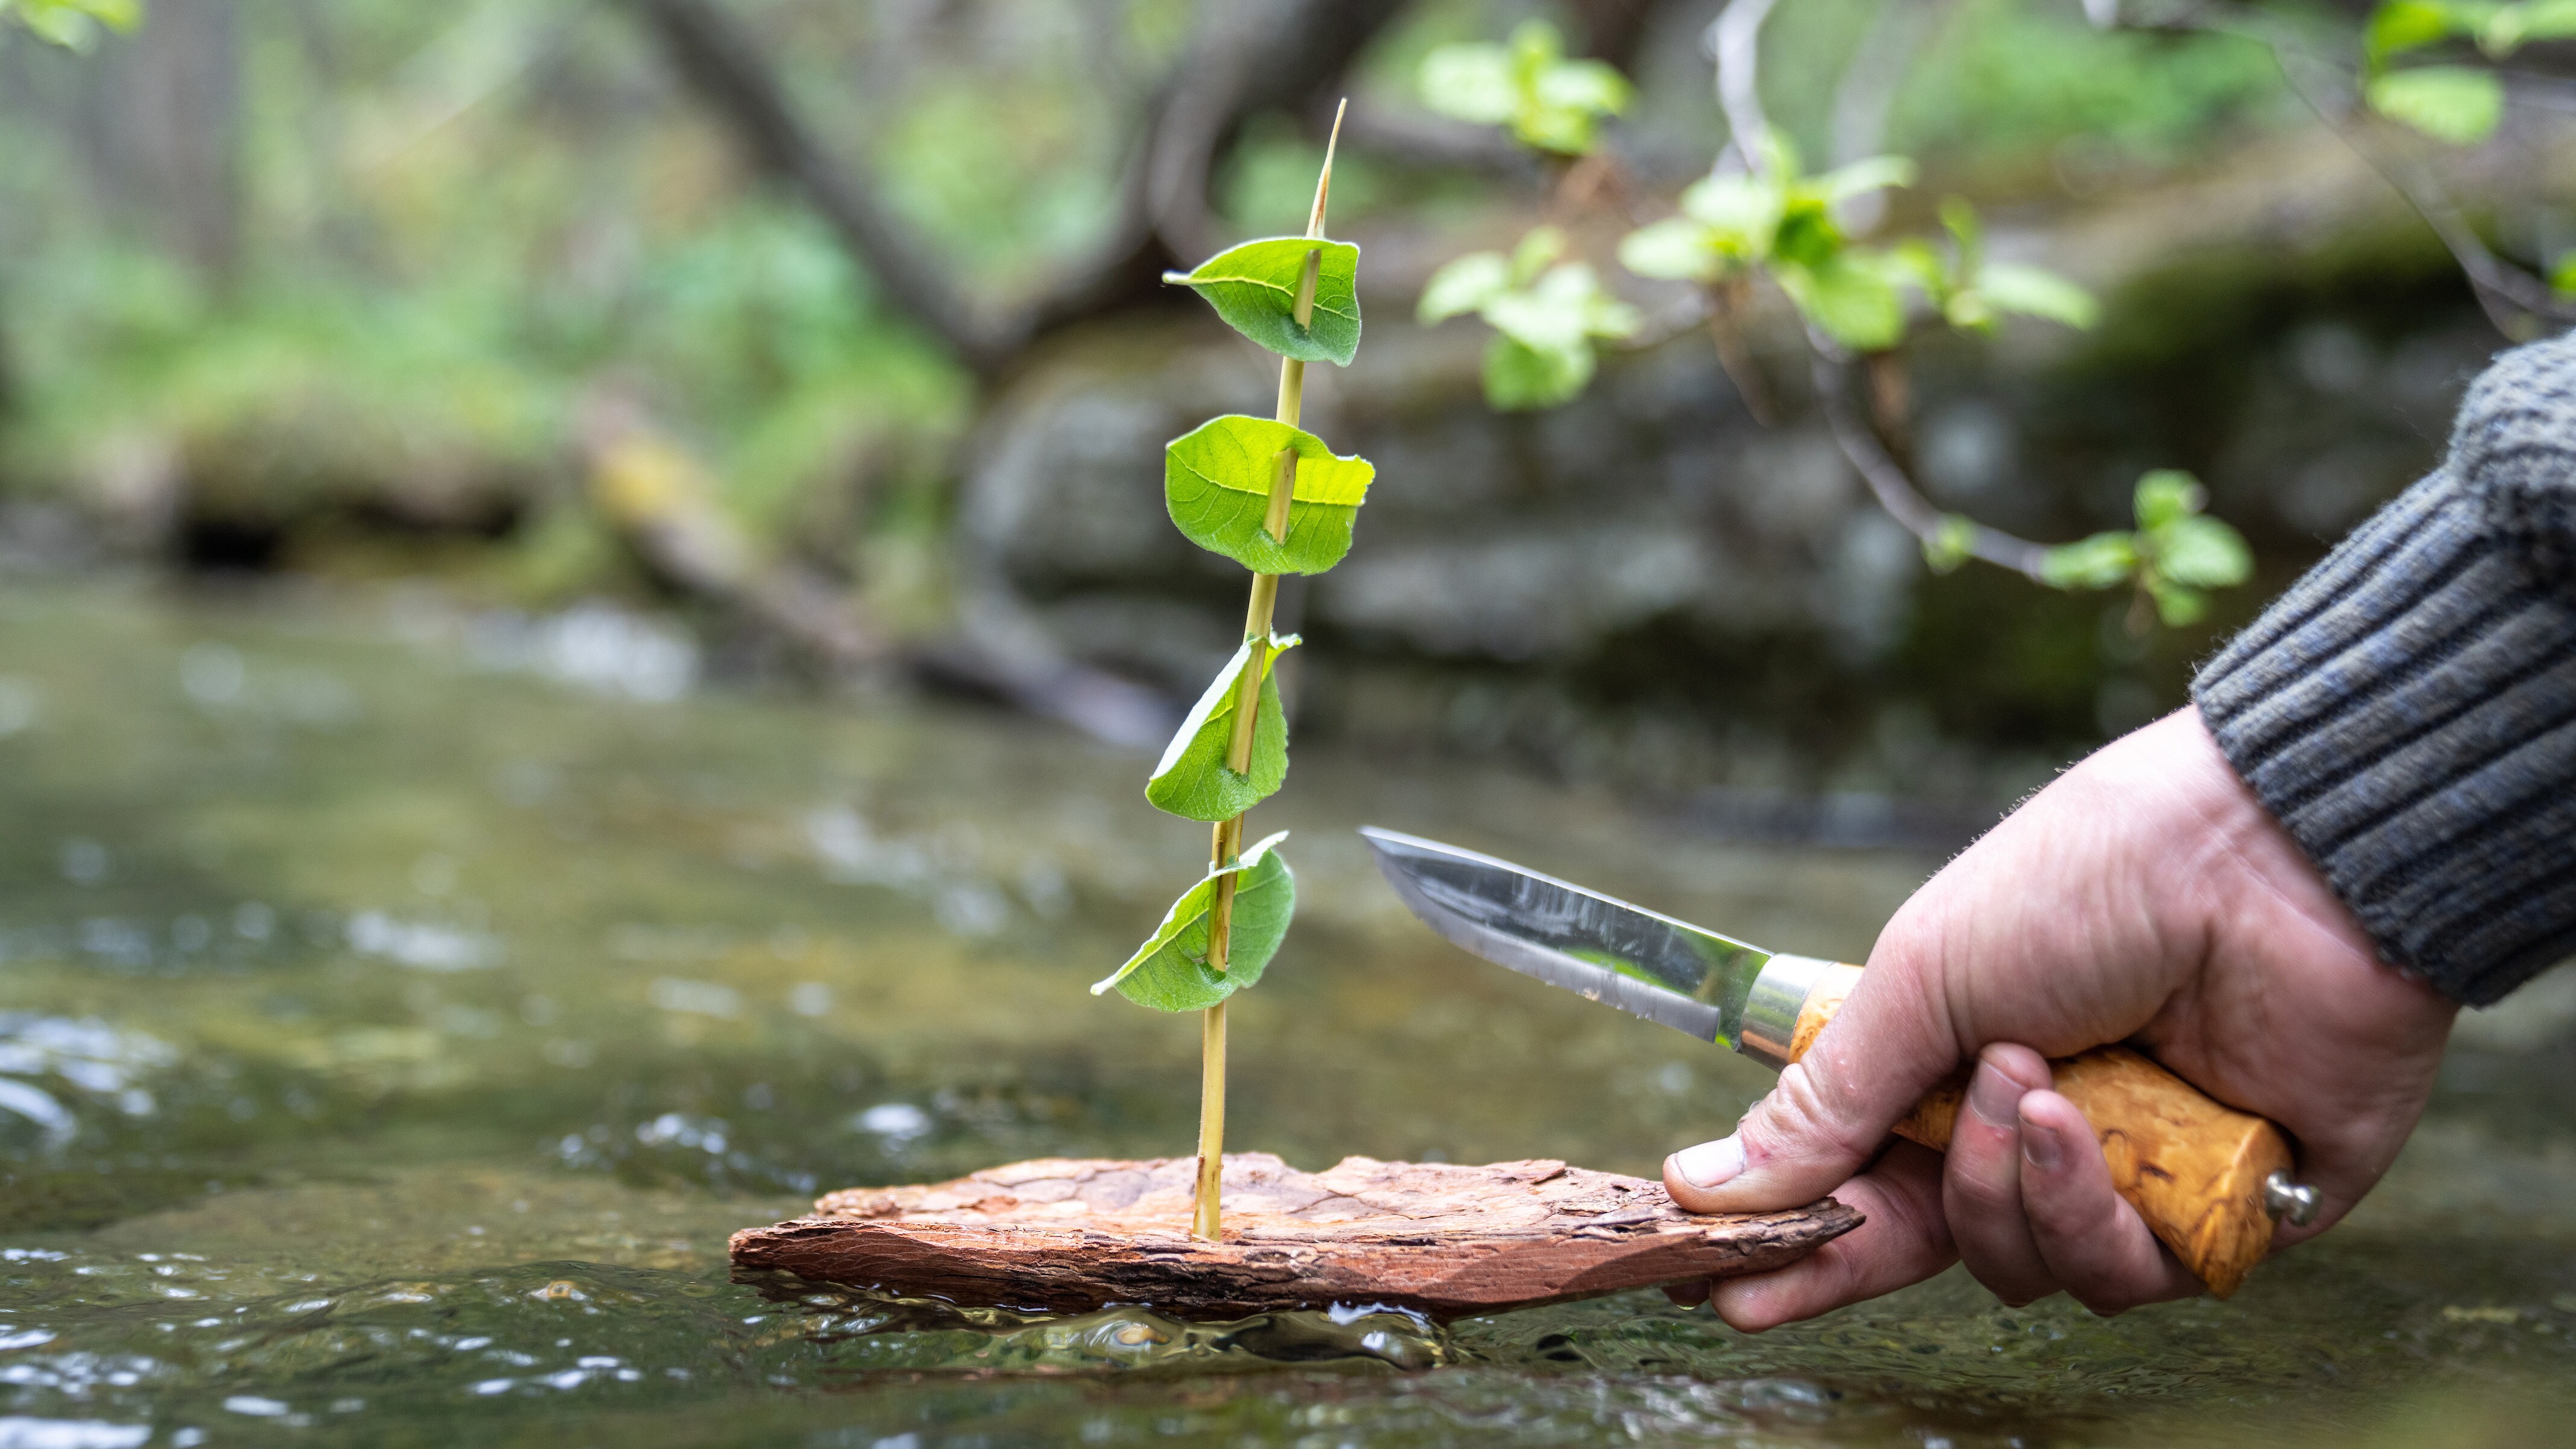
(1772, 1008)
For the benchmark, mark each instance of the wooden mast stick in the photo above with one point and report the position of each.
(1227, 844)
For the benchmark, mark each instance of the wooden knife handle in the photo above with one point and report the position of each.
(2194, 1169)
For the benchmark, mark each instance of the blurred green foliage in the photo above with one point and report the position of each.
(2459, 104)
(72, 24)
(1527, 83)
(456, 226)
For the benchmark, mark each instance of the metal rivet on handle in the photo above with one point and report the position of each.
(2292, 1202)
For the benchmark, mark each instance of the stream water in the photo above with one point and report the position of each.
(398, 1009)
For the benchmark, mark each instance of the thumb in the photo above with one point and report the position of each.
(1833, 1107)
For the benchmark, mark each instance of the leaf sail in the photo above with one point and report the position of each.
(1254, 288)
(1216, 484)
(1170, 971)
(1192, 781)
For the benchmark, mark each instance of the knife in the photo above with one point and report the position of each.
(2210, 1181)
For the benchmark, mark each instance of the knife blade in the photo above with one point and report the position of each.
(2208, 1179)
(1600, 947)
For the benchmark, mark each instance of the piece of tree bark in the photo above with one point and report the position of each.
(1446, 1240)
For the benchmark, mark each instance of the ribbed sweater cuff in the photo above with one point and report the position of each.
(2408, 710)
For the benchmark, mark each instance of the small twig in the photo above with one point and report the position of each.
(1894, 490)
(1735, 38)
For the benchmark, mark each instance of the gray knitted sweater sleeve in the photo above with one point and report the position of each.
(2408, 709)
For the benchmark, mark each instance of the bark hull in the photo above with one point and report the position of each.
(1447, 1240)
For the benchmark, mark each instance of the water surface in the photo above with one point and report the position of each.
(399, 1007)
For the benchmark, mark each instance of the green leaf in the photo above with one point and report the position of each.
(1548, 101)
(2403, 25)
(1676, 249)
(1850, 298)
(2201, 552)
(2562, 278)
(1563, 310)
(2452, 103)
(1192, 781)
(1873, 174)
(73, 24)
(2176, 604)
(1471, 83)
(1464, 285)
(1592, 87)
(1536, 253)
(1216, 483)
(1519, 377)
(2167, 495)
(2099, 562)
(1744, 211)
(2012, 287)
(1170, 971)
(1254, 287)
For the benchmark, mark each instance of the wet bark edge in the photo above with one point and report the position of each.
(1453, 1241)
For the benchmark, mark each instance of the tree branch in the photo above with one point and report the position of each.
(1247, 57)
(1735, 39)
(1896, 492)
(722, 61)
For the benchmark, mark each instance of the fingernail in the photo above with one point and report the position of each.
(1994, 1097)
(2041, 1147)
(1710, 1163)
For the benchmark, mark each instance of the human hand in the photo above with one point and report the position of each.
(2145, 896)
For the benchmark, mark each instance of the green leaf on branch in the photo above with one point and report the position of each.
(2012, 287)
(1550, 314)
(1535, 253)
(1193, 781)
(1850, 295)
(1216, 484)
(1522, 378)
(1873, 173)
(1529, 85)
(1254, 288)
(2562, 278)
(2201, 552)
(1564, 309)
(2453, 103)
(2165, 496)
(2176, 604)
(1464, 286)
(1744, 211)
(1545, 353)
(2174, 556)
(1170, 971)
(2178, 545)
(2106, 560)
(1676, 249)
(2403, 25)
(1471, 82)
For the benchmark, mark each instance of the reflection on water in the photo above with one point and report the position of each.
(387, 1045)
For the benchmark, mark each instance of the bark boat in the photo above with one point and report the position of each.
(1446, 1240)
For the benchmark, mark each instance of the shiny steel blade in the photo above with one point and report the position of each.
(1602, 948)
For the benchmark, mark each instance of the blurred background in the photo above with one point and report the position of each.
(584, 599)
(831, 335)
